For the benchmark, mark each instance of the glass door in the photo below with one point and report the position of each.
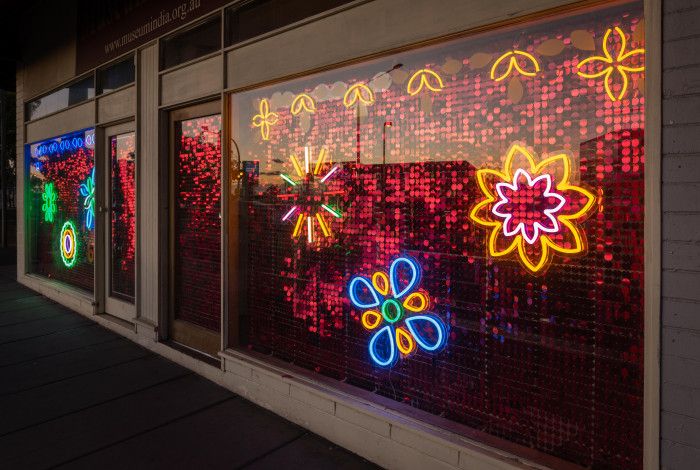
(119, 216)
(195, 227)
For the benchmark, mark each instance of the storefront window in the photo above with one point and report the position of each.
(123, 216)
(61, 208)
(458, 228)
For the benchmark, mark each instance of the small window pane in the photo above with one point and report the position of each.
(188, 45)
(74, 93)
(116, 75)
(123, 212)
(254, 18)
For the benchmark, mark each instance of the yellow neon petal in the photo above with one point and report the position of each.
(579, 246)
(371, 319)
(623, 43)
(423, 81)
(493, 242)
(296, 165)
(556, 161)
(594, 74)
(607, 82)
(322, 223)
(607, 53)
(525, 260)
(303, 102)
(356, 93)
(404, 341)
(408, 302)
(320, 160)
(383, 286)
(298, 225)
(517, 149)
(496, 64)
(532, 60)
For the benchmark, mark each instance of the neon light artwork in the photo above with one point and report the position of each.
(393, 298)
(303, 102)
(87, 190)
(358, 93)
(610, 64)
(531, 208)
(264, 119)
(424, 78)
(49, 196)
(307, 189)
(512, 57)
(68, 244)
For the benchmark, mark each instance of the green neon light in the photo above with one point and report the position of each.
(49, 197)
(68, 244)
(391, 304)
(288, 179)
(336, 213)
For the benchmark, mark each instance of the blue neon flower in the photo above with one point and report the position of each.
(87, 190)
(406, 304)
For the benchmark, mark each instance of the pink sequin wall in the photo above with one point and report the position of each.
(543, 326)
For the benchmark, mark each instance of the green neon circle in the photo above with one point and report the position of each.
(69, 258)
(397, 309)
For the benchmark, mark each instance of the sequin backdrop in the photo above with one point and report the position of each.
(123, 215)
(67, 166)
(550, 361)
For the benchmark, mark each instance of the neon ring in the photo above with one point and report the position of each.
(69, 244)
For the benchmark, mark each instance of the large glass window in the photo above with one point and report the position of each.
(61, 208)
(77, 92)
(116, 75)
(187, 45)
(459, 228)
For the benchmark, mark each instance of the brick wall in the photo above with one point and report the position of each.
(680, 343)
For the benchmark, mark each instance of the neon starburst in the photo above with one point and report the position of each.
(310, 193)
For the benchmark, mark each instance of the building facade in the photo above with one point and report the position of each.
(430, 232)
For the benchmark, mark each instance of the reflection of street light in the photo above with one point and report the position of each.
(357, 108)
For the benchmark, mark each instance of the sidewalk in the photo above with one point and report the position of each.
(75, 395)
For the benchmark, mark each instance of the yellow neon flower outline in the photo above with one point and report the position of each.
(264, 119)
(423, 74)
(303, 102)
(355, 93)
(513, 62)
(613, 64)
(549, 248)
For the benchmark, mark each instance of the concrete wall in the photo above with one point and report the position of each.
(680, 370)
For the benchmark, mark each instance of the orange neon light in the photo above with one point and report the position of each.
(535, 255)
(613, 64)
(320, 161)
(359, 92)
(512, 57)
(264, 119)
(298, 225)
(297, 166)
(404, 341)
(380, 281)
(322, 223)
(371, 319)
(303, 102)
(410, 302)
(424, 77)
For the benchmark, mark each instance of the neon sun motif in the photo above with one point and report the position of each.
(385, 298)
(68, 244)
(49, 196)
(531, 208)
(307, 188)
(610, 65)
(87, 190)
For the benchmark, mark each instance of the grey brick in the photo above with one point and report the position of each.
(675, 456)
(681, 24)
(680, 428)
(680, 197)
(680, 371)
(681, 110)
(681, 53)
(681, 399)
(681, 343)
(681, 255)
(681, 168)
(681, 227)
(681, 314)
(681, 139)
(676, 5)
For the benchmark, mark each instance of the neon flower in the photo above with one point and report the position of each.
(308, 191)
(424, 77)
(610, 64)
(359, 92)
(87, 190)
(531, 208)
(303, 102)
(395, 301)
(264, 119)
(49, 196)
(512, 57)
(68, 244)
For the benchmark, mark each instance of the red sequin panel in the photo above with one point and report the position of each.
(197, 283)
(64, 164)
(123, 157)
(346, 170)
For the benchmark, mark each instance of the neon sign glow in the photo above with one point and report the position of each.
(526, 215)
(610, 65)
(68, 244)
(395, 296)
(512, 57)
(49, 196)
(265, 119)
(359, 92)
(424, 78)
(87, 191)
